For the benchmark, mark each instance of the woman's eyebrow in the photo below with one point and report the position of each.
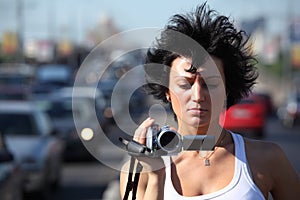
(192, 69)
(193, 76)
(213, 76)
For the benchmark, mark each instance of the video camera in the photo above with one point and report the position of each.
(163, 141)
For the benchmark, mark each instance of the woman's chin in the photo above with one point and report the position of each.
(197, 122)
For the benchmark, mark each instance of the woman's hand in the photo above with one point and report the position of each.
(152, 178)
(141, 132)
(150, 164)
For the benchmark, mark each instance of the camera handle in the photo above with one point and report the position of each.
(135, 149)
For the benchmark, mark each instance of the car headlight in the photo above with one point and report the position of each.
(292, 108)
(87, 134)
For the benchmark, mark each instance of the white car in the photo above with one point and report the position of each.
(30, 137)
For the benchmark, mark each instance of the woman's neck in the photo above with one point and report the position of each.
(214, 129)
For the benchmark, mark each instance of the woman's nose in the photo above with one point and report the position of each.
(198, 91)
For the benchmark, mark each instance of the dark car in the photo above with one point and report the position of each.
(50, 77)
(11, 175)
(29, 135)
(16, 81)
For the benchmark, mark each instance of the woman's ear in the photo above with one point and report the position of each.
(168, 97)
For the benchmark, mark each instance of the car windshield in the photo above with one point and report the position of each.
(17, 124)
(60, 109)
(65, 108)
(50, 73)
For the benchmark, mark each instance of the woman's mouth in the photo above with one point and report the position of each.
(197, 111)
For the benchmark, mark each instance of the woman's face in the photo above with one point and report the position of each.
(197, 98)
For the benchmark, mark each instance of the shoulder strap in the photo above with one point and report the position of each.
(239, 147)
(132, 185)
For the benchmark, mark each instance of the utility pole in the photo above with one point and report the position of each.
(51, 26)
(20, 30)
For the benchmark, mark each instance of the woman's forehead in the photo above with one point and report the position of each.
(211, 67)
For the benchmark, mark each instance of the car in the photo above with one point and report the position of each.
(11, 175)
(63, 104)
(15, 93)
(50, 77)
(16, 81)
(25, 71)
(30, 137)
(246, 117)
(289, 112)
(268, 101)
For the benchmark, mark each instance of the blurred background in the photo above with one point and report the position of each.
(42, 46)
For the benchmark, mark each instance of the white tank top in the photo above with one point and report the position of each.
(241, 186)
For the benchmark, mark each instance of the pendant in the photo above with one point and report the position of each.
(207, 162)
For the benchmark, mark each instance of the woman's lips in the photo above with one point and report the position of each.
(197, 111)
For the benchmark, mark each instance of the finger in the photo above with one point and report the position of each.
(141, 131)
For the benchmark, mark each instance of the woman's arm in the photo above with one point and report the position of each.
(150, 186)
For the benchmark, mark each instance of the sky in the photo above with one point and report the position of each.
(71, 18)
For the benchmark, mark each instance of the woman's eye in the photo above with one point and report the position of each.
(211, 85)
(185, 86)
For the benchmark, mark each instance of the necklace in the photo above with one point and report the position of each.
(206, 158)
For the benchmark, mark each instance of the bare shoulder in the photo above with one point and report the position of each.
(271, 169)
(264, 155)
(264, 149)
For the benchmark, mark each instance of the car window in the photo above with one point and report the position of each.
(14, 80)
(17, 124)
(246, 101)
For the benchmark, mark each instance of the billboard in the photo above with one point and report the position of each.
(294, 36)
(9, 43)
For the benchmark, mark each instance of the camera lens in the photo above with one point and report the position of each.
(169, 141)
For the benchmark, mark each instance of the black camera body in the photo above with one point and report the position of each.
(163, 141)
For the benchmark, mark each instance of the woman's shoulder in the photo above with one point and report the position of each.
(266, 157)
(264, 150)
(271, 169)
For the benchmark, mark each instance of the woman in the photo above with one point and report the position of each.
(198, 86)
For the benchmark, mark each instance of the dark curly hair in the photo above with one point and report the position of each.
(218, 37)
